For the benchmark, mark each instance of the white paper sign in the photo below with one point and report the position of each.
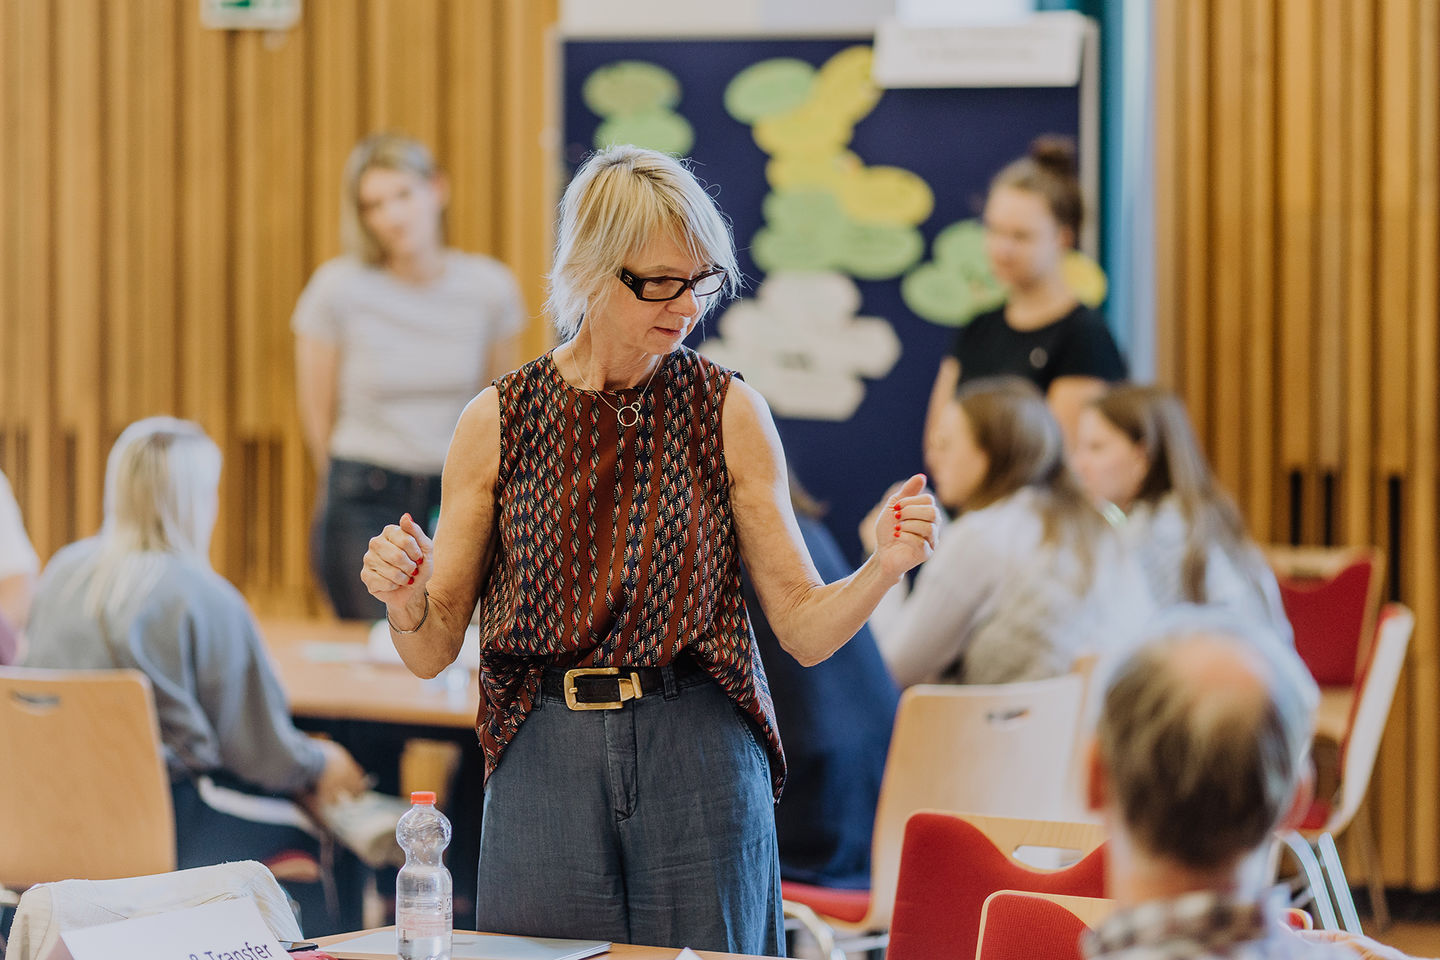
(1042, 51)
(227, 930)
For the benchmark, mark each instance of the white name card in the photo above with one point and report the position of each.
(228, 930)
(1041, 51)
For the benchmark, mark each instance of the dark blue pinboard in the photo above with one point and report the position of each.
(956, 139)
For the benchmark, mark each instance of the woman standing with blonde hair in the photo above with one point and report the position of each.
(398, 298)
(1137, 451)
(142, 595)
(598, 504)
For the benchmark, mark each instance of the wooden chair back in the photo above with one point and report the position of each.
(1012, 835)
(1371, 712)
(84, 793)
(1002, 749)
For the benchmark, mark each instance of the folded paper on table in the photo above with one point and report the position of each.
(227, 928)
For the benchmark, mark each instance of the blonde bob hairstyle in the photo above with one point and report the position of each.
(385, 151)
(161, 493)
(621, 199)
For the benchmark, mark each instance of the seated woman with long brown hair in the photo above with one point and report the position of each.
(1029, 576)
(1136, 451)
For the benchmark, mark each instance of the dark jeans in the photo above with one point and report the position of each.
(206, 836)
(360, 499)
(650, 824)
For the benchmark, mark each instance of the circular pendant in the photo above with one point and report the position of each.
(629, 414)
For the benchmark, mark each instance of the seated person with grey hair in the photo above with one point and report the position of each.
(1201, 752)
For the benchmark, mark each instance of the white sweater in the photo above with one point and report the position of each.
(995, 605)
(1247, 589)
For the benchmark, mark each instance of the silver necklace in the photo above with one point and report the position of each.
(627, 414)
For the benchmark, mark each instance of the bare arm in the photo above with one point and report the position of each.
(317, 377)
(1067, 397)
(946, 380)
(403, 563)
(810, 618)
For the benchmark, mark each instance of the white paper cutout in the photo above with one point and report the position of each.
(800, 343)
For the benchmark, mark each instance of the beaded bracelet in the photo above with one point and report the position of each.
(422, 617)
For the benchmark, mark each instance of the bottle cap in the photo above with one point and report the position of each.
(423, 796)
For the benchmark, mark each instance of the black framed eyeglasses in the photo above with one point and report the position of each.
(668, 288)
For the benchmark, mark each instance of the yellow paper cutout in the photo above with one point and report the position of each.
(821, 170)
(1085, 277)
(886, 195)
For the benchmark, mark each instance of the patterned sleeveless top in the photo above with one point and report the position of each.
(616, 546)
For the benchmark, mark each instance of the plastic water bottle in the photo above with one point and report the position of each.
(424, 911)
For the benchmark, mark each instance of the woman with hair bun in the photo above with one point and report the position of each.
(1041, 332)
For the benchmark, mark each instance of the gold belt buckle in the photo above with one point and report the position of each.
(629, 687)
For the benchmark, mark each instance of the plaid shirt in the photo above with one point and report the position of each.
(1204, 926)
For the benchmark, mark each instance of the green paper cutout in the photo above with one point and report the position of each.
(659, 129)
(768, 87)
(630, 87)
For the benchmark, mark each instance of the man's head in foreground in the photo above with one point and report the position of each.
(1202, 751)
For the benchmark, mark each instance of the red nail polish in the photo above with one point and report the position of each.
(897, 533)
(412, 579)
(420, 561)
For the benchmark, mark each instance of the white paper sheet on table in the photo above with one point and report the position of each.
(477, 946)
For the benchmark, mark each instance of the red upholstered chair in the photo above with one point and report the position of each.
(1015, 925)
(950, 864)
(1332, 599)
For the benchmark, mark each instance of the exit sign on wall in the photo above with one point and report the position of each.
(249, 14)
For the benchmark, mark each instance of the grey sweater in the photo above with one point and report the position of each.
(219, 703)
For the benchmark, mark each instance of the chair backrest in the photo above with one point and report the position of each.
(1016, 925)
(83, 788)
(1003, 749)
(1332, 599)
(49, 909)
(950, 866)
(1370, 710)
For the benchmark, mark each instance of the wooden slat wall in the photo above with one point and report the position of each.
(165, 191)
(1298, 207)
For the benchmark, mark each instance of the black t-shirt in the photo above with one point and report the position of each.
(1077, 345)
